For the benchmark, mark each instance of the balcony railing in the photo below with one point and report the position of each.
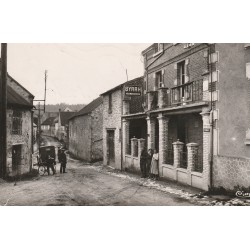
(186, 93)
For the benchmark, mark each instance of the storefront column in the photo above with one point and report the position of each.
(206, 148)
(151, 132)
(134, 147)
(192, 154)
(125, 107)
(178, 149)
(163, 141)
(125, 136)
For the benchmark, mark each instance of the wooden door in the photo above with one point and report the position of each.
(111, 147)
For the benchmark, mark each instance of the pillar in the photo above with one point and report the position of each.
(125, 136)
(151, 132)
(178, 149)
(134, 144)
(162, 97)
(125, 107)
(163, 140)
(150, 99)
(206, 147)
(192, 151)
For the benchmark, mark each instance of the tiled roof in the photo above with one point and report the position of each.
(89, 108)
(65, 116)
(49, 121)
(14, 98)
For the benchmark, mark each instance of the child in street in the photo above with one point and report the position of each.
(154, 171)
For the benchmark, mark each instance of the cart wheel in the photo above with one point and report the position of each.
(41, 170)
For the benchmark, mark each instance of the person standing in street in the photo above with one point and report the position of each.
(63, 160)
(154, 166)
(50, 162)
(149, 160)
(143, 162)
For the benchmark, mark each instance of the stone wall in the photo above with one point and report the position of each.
(97, 134)
(112, 121)
(80, 137)
(231, 171)
(24, 139)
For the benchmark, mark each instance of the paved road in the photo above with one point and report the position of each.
(87, 185)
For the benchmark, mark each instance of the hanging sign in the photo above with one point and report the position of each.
(133, 90)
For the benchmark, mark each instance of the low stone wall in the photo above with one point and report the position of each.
(231, 171)
(132, 163)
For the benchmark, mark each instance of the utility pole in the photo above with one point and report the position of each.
(3, 111)
(39, 126)
(45, 79)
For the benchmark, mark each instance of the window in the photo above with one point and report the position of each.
(248, 71)
(188, 45)
(159, 47)
(17, 122)
(159, 80)
(110, 104)
(181, 73)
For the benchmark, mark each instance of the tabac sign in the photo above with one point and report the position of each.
(133, 90)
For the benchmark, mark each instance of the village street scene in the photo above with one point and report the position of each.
(162, 124)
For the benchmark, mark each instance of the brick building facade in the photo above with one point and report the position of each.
(202, 135)
(85, 132)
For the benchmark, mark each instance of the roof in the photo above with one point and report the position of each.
(49, 121)
(13, 98)
(65, 116)
(19, 85)
(131, 82)
(89, 108)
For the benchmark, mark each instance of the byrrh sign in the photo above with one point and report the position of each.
(133, 90)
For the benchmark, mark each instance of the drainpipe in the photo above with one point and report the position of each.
(121, 131)
(211, 123)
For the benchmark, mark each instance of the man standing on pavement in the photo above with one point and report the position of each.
(143, 162)
(63, 160)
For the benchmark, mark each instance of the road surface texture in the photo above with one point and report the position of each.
(95, 185)
(92, 185)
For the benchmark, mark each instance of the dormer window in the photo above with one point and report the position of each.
(159, 47)
(188, 45)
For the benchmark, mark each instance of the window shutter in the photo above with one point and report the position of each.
(187, 61)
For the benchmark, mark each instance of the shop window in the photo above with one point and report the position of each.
(17, 122)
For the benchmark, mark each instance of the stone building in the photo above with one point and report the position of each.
(113, 110)
(48, 127)
(19, 128)
(201, 134)
(61, 125)
(85, 132)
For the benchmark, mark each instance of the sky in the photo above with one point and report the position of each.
(77, 73)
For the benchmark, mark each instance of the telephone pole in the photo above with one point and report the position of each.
(3, 111)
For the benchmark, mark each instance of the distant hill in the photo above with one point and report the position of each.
(62, 106)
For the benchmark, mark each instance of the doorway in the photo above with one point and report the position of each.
(111, 147)
(16, 158)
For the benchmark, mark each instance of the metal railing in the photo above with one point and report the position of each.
(198, 163)
(186, 93)
(183, 159)
(170, 157)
